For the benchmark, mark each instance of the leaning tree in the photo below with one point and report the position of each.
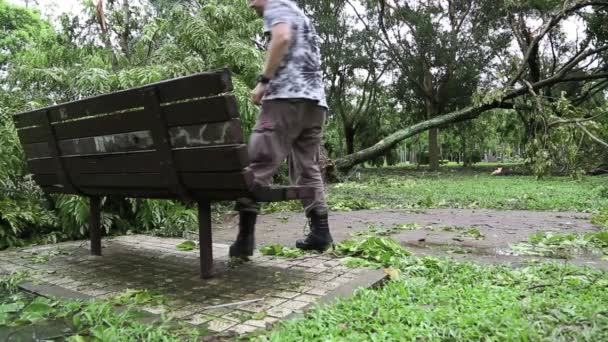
(524, 82)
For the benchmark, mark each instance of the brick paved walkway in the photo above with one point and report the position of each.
(279, 287)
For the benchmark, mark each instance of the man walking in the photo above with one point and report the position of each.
(293, 109)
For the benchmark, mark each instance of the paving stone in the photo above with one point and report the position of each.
(263, 323)
(219, 312)
(238, 316)
(94, 292)
(311, 263)
(308, 298)
(286, 294)
(293, 305)
(143, 262)
(279, 312)
(220, 325)
(182, 312)
(198, 319)
(157, 310)
(256, 307)
(242, 329)
(326, 276)
(318, 291)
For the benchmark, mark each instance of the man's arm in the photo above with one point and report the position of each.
(279, 47)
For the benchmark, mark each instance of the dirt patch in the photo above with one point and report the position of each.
(440, 233)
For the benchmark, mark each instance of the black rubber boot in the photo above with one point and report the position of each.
(245, 241)
(319, 239)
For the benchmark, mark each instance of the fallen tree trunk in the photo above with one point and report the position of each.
(562, 74)
(347, 162)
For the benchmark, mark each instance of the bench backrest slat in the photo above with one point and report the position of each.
(201, 159)
(213, 134)
(196, 86)
(210, 110)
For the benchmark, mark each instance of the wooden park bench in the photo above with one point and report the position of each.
(178, 139)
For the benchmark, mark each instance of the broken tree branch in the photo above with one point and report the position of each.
(574, 121)
(347, 162)
(554, 21)
(590, 135)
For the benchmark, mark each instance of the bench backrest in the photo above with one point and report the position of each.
(154, 141)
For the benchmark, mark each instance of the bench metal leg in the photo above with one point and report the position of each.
(94, 228)
(204, 239)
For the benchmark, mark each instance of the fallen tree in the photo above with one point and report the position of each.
(587, 64)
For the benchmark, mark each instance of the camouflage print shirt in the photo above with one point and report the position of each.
(299, 75)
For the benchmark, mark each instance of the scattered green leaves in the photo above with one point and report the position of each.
(381, 231)
(473, 233)
(376, 250)
(92, 320)
(186, 246)
(601, 218)
(138, 297)
(549, 244)
(44, 256)
(281, 251)
(464, 232)
(444, 300)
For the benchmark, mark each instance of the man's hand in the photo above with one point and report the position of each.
(258, 93)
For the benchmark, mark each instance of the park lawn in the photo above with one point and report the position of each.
(409, 188)
(442, 300)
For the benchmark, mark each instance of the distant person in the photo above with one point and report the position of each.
(293, 108)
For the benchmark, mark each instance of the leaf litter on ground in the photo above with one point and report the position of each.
(550, 244)
(442, 299)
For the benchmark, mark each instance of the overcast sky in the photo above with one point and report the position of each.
(53, 8)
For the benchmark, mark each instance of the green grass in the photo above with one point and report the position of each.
(442, 300)
(407, 188)
(410, 188)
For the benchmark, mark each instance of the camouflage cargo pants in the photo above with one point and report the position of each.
(285, 128)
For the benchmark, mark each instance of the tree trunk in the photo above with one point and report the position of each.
(347, 162)
(433, 149)
(466, 161)
(125, 35)
(349, 136)
(105, 35)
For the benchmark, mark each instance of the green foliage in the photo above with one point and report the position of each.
(443, 300)
(73, 212)
(407, 188)
(42, 65)
(601, 218)
(9, 283)
(22, 204)
(281, 251)
(376, 250)
(186, 246)
(563, 245)
(44, 256)
(91, 320)
(139, 298)
(466, 232)
(20, 26)
(382, 231)
(165, 218)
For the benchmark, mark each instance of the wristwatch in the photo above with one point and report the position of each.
(263, 79)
